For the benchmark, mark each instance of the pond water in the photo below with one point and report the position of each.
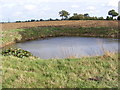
(69, 47)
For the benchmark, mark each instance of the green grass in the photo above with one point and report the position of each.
(60, 73)
(25, 34)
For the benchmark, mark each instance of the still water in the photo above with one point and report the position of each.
(65, 47)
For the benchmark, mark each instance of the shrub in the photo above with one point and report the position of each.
(77, 17)
(109, 18)
(41, 20)
(100, 18)
(32, 20)
(118, 18)
(18, 21)
(16, 52)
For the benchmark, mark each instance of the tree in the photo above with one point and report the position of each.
(118, 18)
(77, 17)
(64, 14)
(108, 18)
(41, 20)
(86, 15)
(28, 20)
(50, 19)
(100, 18)
(56, 19)
(18, 21)
(74, 14)
(32, 20)
(113, 13)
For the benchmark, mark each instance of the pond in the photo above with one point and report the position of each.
(69, 47)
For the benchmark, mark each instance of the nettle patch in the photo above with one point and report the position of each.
(16, 52)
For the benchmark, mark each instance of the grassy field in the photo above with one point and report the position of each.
(68, 23)
(92, 72)
(18, 35)
(31, 72)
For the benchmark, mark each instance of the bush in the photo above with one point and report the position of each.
(18, 21)
(16, 52)
(41, 20)
(100, 18)
(118, 18)
(32, 20)
(109, 18)
(77, 17)
(84, 17)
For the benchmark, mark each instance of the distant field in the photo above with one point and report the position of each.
(73, 23)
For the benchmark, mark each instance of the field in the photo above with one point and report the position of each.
(32, 72)
(92, 72)
(96, 28)
(73, 23)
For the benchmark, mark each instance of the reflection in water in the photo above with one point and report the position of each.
(64, 47)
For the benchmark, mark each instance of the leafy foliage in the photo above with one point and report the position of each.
(84, 17)
(118, 18)
(113, 13)
(16, 52)
(64, 13)
(109, 18)
(32, 20)
(77, 17)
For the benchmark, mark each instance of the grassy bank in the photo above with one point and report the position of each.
(98, 72)
(19, 35)
(92, 72)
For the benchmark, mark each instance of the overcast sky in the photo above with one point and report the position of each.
(13, 10)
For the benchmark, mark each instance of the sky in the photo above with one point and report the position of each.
(15, 10)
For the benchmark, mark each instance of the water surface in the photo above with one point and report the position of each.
(65, 47)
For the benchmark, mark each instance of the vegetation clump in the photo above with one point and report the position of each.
(16, 52)
(118, 18)
(113, 13)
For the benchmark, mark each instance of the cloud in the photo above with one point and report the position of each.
(7, 5)
(0, 17)
(30, 7)
(113, 3)
(119, 7)
(46, 8)
(39, 1)
(17, 13)
(75, 6)
(91, 8)
(26, 9)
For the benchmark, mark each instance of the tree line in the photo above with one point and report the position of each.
(65, 15)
